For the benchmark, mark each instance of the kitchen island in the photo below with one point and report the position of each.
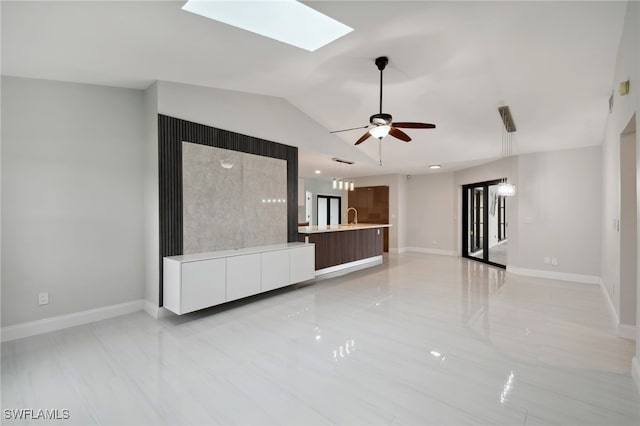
(344, 248)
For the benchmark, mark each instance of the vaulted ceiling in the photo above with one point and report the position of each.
(451, 63)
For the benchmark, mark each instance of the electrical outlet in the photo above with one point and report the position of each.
(547, 260)
(43, 299)
(554, 261)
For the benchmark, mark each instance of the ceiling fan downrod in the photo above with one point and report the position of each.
(381, 63)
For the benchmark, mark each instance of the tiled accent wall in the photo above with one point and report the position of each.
(171, 133)
(241, 205)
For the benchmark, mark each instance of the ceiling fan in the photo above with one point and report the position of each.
(381, 124)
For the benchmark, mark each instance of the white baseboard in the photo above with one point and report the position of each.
(622, 330)
(32, 328)
(431, 251)
(155, 311)
(345, 268)
(635, 372)
(152, 309)
(612, 307)
(561, 276)
(626, 331)
(398, 250)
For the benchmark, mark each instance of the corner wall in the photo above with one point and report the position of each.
(431, 217)
(624, 108)
(72, 198)
(151, 201)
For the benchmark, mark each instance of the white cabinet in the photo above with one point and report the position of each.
(203, 284)
(302, 263)
(243, 276)
(198, 281)
(275, 269)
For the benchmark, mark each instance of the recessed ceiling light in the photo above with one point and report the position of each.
(317, 172)
(435, 166)
(287, 21)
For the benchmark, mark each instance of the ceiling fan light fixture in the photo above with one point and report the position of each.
(380, 131)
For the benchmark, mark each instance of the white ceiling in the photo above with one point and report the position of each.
(451, 63)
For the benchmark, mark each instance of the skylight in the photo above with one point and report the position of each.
(287, 21)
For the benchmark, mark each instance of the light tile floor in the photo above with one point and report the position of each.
(421, 339)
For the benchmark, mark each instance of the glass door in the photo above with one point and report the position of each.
(329, 210)
(484, 223)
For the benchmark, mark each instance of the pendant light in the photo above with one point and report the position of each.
(506, 189)
(340, 183)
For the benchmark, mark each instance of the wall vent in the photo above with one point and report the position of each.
(340, 160)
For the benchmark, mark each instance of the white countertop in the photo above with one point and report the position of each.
(233, 252)
(334, 228)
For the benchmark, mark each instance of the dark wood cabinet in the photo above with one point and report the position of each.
(372, 203)
(340, 247)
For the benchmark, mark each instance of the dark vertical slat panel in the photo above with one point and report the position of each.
(171, 132)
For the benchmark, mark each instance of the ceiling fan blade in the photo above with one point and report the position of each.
(409, 125)
(353, 128)
(397, 133)
(363, 138)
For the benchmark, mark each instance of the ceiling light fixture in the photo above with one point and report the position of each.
(339, 183)
(227, 164)
(380, 131)
(435, 166)
(317, 172)
(288, 21)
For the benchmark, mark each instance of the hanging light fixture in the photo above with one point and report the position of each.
(506, 189)
(340, 183)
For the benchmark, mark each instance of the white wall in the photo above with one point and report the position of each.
(559, 211)
(628, 229)
(260, 116)
(72, 197)
(431, 218)
(151, 200)
(627, 68)
(623, 112)
(556, 207)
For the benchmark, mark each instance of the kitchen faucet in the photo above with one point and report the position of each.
(355, 220)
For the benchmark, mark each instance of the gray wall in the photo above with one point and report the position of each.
(624, 108)
(151, 198)
(559, 210)
(555, 212)
(72, 197)
(431, 217)
(628, 229)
